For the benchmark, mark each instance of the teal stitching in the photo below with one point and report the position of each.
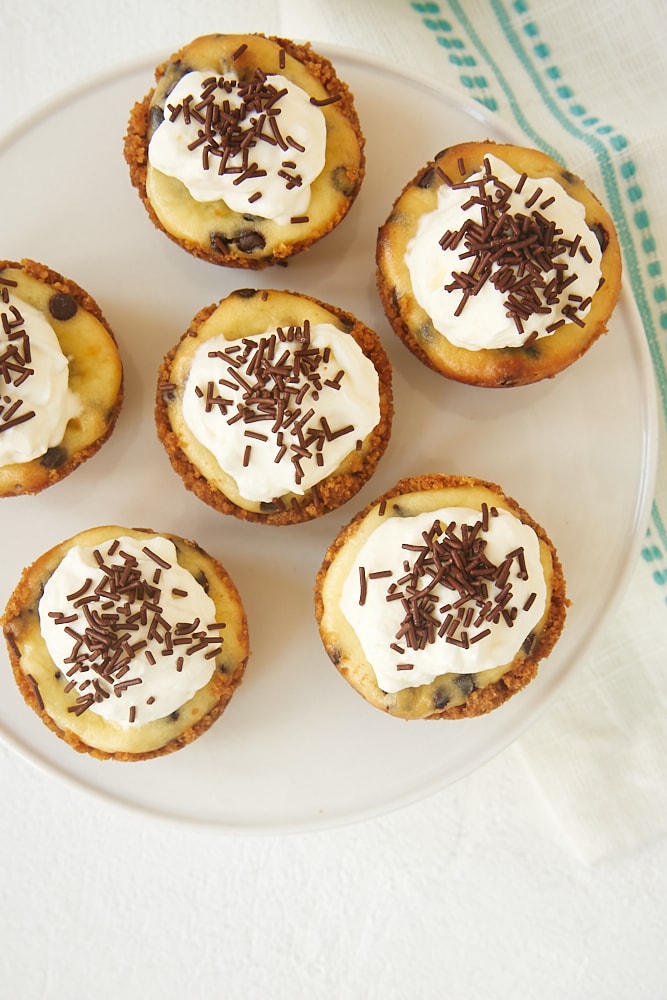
(641, 220)
(633, 192)
(628, 169)
(476, 83)
(659, 524)
(457, 9)
(653, 555)
(640, 217)
(617, 141)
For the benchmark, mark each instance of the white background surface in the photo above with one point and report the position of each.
(474, 892)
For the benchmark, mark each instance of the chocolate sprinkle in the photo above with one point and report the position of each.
(521, 253)
(452, 556)
(324, 101)
(106, 614)
(266, 384)
(224, 136)
(35, 690)
(15, 364)
(62, 305)
(362, 585)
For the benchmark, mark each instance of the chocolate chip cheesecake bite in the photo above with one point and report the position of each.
(275, 407)
(496, 266)
(247, 150)
(438, 600)
(61, 377)
(127, 643)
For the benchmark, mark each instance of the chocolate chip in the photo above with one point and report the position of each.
(342, 181)
(465, 683)
(528, 643)
(250, 240)
(247, 241)
(169, 394)
(334, 654)
(440, 698)
(174, 716)
(568, 176)
(601, 235)
(62, 305)
(532, 350)
(427, 178)
(246, 293)
(174, 71)
(202, 580)
(54, 457)
(155, 119)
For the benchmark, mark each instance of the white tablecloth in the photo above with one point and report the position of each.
(486, 889)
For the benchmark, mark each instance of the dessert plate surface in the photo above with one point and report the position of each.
(297, 749)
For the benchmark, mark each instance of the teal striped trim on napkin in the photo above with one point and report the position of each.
(599, 754)
(563, 111)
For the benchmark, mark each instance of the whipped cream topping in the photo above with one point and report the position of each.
(281, 410)
(446, 591)
(257, 145)
(133, 633)
(476, 301)
(35, 400)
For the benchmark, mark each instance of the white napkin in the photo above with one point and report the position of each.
(588, 80)
(599, 754)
